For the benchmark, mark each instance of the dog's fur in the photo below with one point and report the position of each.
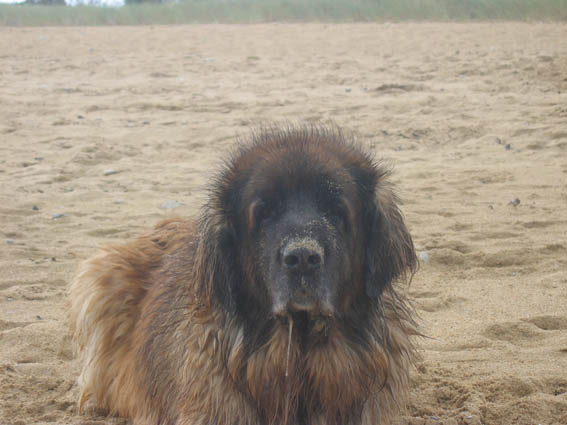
(178, 327)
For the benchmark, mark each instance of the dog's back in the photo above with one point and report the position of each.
(106, 299)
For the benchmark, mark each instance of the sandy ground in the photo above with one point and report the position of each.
(100, 127)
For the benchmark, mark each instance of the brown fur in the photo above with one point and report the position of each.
(158, 345)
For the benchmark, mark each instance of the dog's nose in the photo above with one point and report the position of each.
(302, 260)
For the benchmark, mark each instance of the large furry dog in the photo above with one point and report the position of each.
(278, 307)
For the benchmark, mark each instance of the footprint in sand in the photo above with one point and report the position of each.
(33, 292)
(106, 232)
(517, 333)
(526, 331)
(505, 258)
(549, 323)
(432, 301)
(449, 253)
(6, 325)
(540, 224)
(438, 304)
(493, 235)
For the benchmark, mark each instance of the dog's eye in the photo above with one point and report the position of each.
(260, 211)
(338, 216)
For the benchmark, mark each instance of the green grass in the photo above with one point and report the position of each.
(250, 11)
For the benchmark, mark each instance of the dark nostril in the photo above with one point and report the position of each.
(314, 259)
(302, 260)
(291, 260)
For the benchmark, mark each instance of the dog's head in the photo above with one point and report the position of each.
(303, 224)
(300, 224)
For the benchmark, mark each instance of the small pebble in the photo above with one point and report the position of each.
(35, 208)
(508, 147)
(169, 205)
(110, 172)
(57, 215)
(38, 317)
(9, 241)
(515, 202)
(424, 257)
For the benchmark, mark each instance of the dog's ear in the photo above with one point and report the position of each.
(215, 264)
(389, 252)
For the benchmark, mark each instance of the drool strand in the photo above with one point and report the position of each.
(290, 322)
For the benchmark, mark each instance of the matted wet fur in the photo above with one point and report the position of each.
(213, 323)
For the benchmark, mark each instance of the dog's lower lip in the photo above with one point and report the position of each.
(302, 305)
(310, 307)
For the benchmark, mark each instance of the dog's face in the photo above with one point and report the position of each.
(309, 231)
(301, 237)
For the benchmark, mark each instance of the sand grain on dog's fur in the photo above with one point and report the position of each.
(101, 127)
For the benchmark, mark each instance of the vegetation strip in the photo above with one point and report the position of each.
(257, 11)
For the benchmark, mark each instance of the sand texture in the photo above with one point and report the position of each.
(105, 131)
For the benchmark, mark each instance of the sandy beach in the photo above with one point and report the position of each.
(105, 131)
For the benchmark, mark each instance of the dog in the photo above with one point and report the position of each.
(280, 305)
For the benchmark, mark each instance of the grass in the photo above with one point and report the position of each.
(252, 11)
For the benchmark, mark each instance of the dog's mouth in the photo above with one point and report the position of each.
(309, 328)
(307, 315)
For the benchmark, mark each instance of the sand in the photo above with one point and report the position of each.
(104, 130)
